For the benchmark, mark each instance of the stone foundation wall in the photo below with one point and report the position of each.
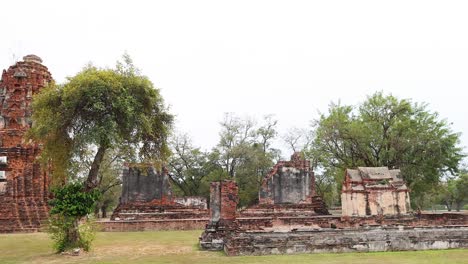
(351, 240)
(284, 222)
(152, 225)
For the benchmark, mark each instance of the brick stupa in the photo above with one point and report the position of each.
(23, 185)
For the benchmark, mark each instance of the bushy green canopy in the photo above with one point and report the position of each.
(100, 109)
(387, 131)
(71, 201)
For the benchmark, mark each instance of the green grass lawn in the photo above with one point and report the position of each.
(182, 247)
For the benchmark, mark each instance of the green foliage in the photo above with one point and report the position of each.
(71, 201)
(96, 112)
(245, 153)
(189, 166)
(386, 131)
(453, 192)
(59, 231)
(70, 204)
(100, 109)
(325, 186)
(109, 181)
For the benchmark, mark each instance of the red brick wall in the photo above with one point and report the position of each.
(223, 200)
(146, 225)
(229, 200)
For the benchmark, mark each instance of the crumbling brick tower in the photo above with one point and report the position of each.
(23, 185)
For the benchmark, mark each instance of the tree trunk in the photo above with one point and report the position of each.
(96, 211)
(104, 211)
(73, 234)
(448, 205)
(91, 181)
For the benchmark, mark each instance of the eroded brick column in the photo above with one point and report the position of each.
(223, 208)
(229, 200)
(223, 200)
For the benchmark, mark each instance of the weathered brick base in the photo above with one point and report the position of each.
(346, 240)
(214, 238)
(329, 221)
(286, 210)
(152, 225)
(151, 211)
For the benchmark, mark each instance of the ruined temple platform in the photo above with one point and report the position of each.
(331, 234)
(329, 240)
(269, 229)
(147, 203)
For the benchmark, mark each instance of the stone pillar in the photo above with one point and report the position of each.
(215, 202)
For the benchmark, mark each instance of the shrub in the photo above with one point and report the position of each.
(68, 225)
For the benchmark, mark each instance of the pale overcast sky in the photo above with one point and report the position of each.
(288, 58)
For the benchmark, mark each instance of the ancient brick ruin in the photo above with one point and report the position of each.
(374, 191)
(147, 203)
(289, 182)
(142, 183)
(288, 190)
(290, 217)
(397, 238)
(23, 185)
(298, 232)
(223, 211)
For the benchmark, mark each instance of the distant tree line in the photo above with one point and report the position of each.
(382, 131)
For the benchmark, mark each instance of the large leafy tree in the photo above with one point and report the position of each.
(190, 167)
(101, 109)
(245, 153)
(454, 191)
(387, 131)
(96, 111)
